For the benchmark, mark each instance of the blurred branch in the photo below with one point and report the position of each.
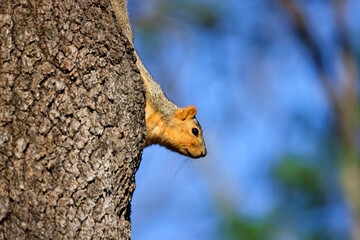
(303, 33)
(349, 97)
(343, 99)
(350, 169)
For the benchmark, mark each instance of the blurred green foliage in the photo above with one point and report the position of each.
(203, 15)
(307, 191)
(299, 178)
(235, 226)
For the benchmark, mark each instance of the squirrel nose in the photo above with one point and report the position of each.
(203, 153)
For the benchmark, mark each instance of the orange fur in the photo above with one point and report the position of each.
(184, 113)
(166, 124)
(176, 133)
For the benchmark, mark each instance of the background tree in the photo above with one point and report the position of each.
(71, 121)
(342, 92)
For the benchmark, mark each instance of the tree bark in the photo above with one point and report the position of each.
(71, 121)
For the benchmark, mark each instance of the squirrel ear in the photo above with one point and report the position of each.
(186, 113)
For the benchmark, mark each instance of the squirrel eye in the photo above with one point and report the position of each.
(195, 131)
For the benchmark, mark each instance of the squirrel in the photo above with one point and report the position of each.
(167, 125)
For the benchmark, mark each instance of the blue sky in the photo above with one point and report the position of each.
(258, 98)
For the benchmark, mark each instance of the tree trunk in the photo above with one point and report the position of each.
(71, 121)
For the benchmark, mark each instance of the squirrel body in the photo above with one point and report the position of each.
(166, 124)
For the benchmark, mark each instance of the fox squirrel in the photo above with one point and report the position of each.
(166, 124)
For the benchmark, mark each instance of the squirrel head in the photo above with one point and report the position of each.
(179, 132)
(185, 134)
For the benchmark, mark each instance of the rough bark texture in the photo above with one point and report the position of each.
(71, 121)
